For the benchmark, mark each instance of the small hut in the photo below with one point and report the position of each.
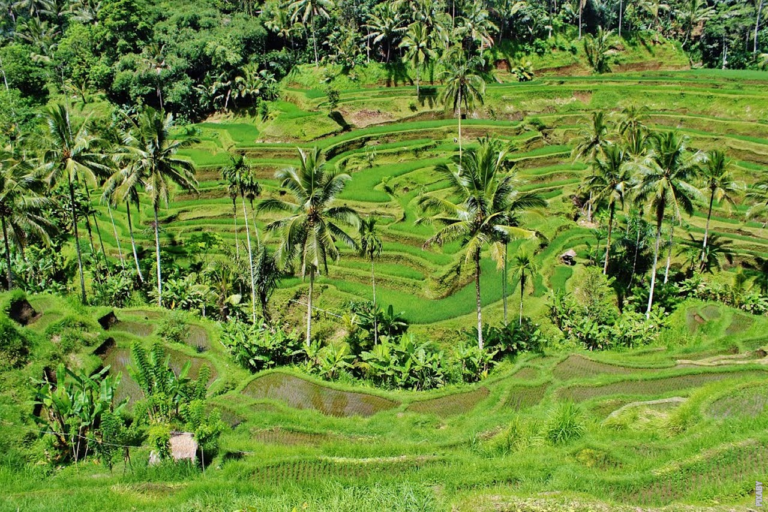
(183, 446)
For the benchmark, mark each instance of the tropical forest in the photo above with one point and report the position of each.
(383, 255)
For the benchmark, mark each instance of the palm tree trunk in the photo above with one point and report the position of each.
(757, 23)
(314, 42)
(504, 283)
(375, 315)
(522, 289)
(234, 214)
(133, 241)
(309, 305)
(101, 242)
(250, 259)
(610, 230)
(90, 234)
(621, 15)
(655, 262)
(479, 303)
(581, 10)
(669, 254)
(706, 229)
(117, 237)
(77, 239)
(157, 256)
(459, 127)
(634, 261)
(8, 272)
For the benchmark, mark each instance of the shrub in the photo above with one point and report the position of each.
(174, 328)
(474, 363)
(405, 364)
(259, 347)
(14, 347)
(114, 290)
(565, 423)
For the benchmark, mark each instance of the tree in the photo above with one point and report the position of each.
(481, 212)
(598, 50)
(71, 155)
(524, 268)
(308, 11)
(312, 226)
(665, 181)
(463, 86)
(692, 14)
(240, 177)
(153, 60)
(370, 247)
(384, 25)
(758, 15)
(590, 143)
(20, 206)
(156, 166)
(719, 182)
(418, 49)
(609, 182)
(705, 258)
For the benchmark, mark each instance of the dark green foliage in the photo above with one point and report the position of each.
(14, 346)
(259, 347)
(23, 73)
(511, 339)
(174, 328)
(405, 364)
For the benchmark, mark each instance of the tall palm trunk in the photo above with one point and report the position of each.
(117, 237)
(375, 314)
(133, 241)
(460, 155)
(621, 15)
(659, 218)
(101, 241)
(309, 305)
(757, 23)
(157, 255)
(581, 11)
(610, 231)
(8, 272)
(234, 215)
(634, 261)
(504, 283)
(706, 229)
(479, 302)
(522, 289)
(669, 254)
(77, 239)
(314, 42)
(250, 259)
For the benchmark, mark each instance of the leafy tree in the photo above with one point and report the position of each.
(610, 181)
(309, 11)
(370, 247)
(463, 85)
(385, 24)
(480, 215)
(153, 154)
(71, 155)
(719, 182)
(311, 225)
(665, 181)
(598, 50)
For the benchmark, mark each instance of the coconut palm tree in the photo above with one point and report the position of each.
(370, 247)
(384, 25)
(463, 85)
(71, 155)
(524, 268)
(309, 11)
(240, 177)
(311, 226)
(417, 43)
(20, 206)
(665, 180)
(719, 182)
(610, 181)
(153, 60)
(590, 143)
(124, 186)
(156, 166)
(480, 215)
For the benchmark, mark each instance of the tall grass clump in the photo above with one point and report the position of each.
(565, 424)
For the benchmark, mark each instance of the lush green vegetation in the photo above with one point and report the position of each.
(380, 255)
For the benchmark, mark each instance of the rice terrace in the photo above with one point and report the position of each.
(364, 255)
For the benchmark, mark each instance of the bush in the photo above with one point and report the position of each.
(565, 423)
(511, 339)
(260, 347)
(405, 364)
(174, 328)
(14, 347)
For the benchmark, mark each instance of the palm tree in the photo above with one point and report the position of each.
(418, 48)
(308, 11)
(123, 187)
(20, 206)
(71, 154)
(760, 4)
(665, 182)
(463, 86)
(312, 226)
(370, 247)
(709, 257)
(481, 214)
(156, 165)
(240, 177)
(590, 143)
(719, 182)
(524, 267)
(153, 60)
(384, 24)
(610, 181)
(758, 195)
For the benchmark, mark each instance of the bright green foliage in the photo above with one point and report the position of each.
(565, 423)
(260, 347)
(14, 346)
